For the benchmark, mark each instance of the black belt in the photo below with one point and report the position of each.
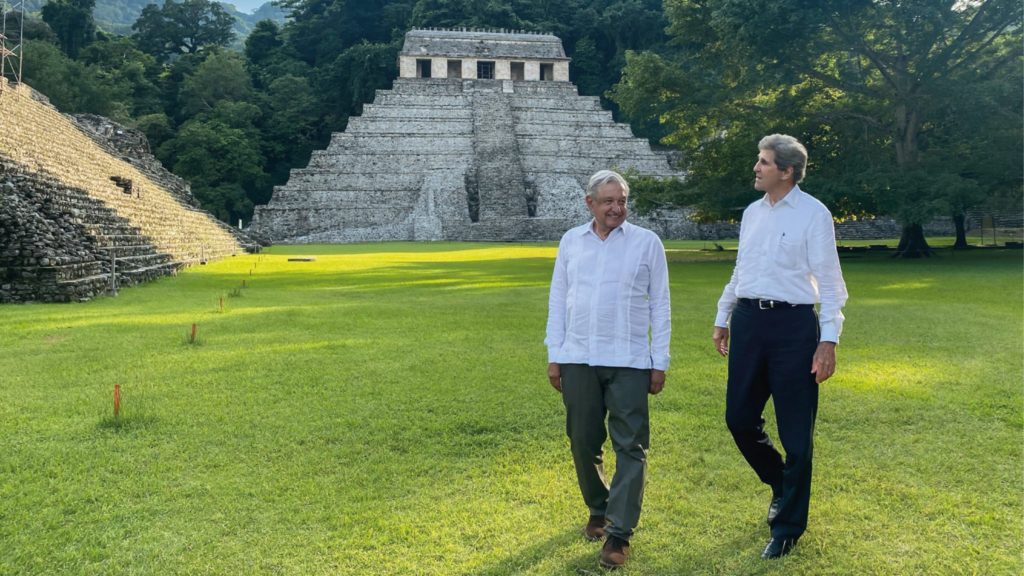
(770, 304)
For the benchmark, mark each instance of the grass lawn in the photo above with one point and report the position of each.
(384, 410)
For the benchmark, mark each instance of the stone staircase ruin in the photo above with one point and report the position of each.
(79, 216)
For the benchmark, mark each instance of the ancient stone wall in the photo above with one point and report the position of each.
(75, 217)
(132, 146)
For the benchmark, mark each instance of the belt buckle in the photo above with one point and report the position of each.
(761, 304)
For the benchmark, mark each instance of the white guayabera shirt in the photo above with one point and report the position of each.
(609, 303)
(788, 253)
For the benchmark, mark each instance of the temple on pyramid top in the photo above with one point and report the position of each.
(481, 138)
(490, 55)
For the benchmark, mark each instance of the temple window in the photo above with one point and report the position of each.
(518, 70)
(455, 68)
(485, 69)
(423, 68)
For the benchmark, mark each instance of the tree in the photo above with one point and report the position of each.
(184, 28)
(353, 78)
(71, 21)
(72, 86)
(861, 81)
(220, 156)
(289, 128)
(119, 60)
(220, 77)
(320, 30)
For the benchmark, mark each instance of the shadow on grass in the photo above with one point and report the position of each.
(125, 423)
(583, 564)
(427, 274)
(134, 415)
(386, 247)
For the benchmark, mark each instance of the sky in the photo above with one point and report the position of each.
(247, 6)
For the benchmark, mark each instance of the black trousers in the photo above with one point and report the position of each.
(770, 355)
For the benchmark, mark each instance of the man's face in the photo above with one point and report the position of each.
(767, 176)
(609, 208)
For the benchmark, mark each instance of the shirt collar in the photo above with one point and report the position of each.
(621, 229)
(792, 198)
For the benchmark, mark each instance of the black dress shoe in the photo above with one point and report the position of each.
(773, 508)
(778, 547)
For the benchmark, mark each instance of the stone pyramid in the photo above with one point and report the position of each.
(477, 148)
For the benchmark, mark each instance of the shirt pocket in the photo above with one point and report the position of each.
(791, 250)
(641, 279)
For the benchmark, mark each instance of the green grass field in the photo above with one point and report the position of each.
(384, 410)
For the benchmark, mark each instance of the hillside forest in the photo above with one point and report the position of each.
(909, 109)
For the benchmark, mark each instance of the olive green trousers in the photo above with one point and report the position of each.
(591, 395)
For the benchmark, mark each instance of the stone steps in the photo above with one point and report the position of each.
(397, 143)
(366, 162)
(78, 162)
(328, 180)
(423, 113)
(403, 126)
(62, 207)
(365, 199)
(579, 164)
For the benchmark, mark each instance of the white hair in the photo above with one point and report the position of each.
(603, 177)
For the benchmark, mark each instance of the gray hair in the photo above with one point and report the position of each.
(789, 153)
(603, 177)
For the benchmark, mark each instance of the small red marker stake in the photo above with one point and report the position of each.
(221, 303)
(243, 283)
(117, 401)
(192, 335)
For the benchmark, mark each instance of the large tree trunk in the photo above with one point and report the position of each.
(961, 231)
(912, 243)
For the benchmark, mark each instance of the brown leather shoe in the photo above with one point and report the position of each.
(594, 530)
(614, 553)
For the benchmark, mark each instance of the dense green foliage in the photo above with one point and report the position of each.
(384, 411)
(910, 109)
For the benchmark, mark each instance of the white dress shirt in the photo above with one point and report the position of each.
(788, 252)
(609, 302)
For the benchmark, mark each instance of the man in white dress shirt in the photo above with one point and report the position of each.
(608, 330)
(787, 262)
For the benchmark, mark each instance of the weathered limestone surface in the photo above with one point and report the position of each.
(448, 159)
(75, 215)
(455, 54)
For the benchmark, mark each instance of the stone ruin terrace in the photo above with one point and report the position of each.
(77, 214)
(449, 155)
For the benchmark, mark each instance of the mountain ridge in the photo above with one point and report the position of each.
(117, 16)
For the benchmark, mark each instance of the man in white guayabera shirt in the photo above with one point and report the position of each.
(787, 262)
(608, 330)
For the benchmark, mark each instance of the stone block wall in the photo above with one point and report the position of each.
(60, 244)
(70, 206)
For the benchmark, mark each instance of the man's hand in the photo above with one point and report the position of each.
(555, 376)
(657, 381)
(824, 363)
(721, 338)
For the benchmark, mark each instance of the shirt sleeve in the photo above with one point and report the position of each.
(555, 332)
(728, 299)
(823, 259)
(661, 307)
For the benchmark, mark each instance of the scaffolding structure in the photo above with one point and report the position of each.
(12, 31)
